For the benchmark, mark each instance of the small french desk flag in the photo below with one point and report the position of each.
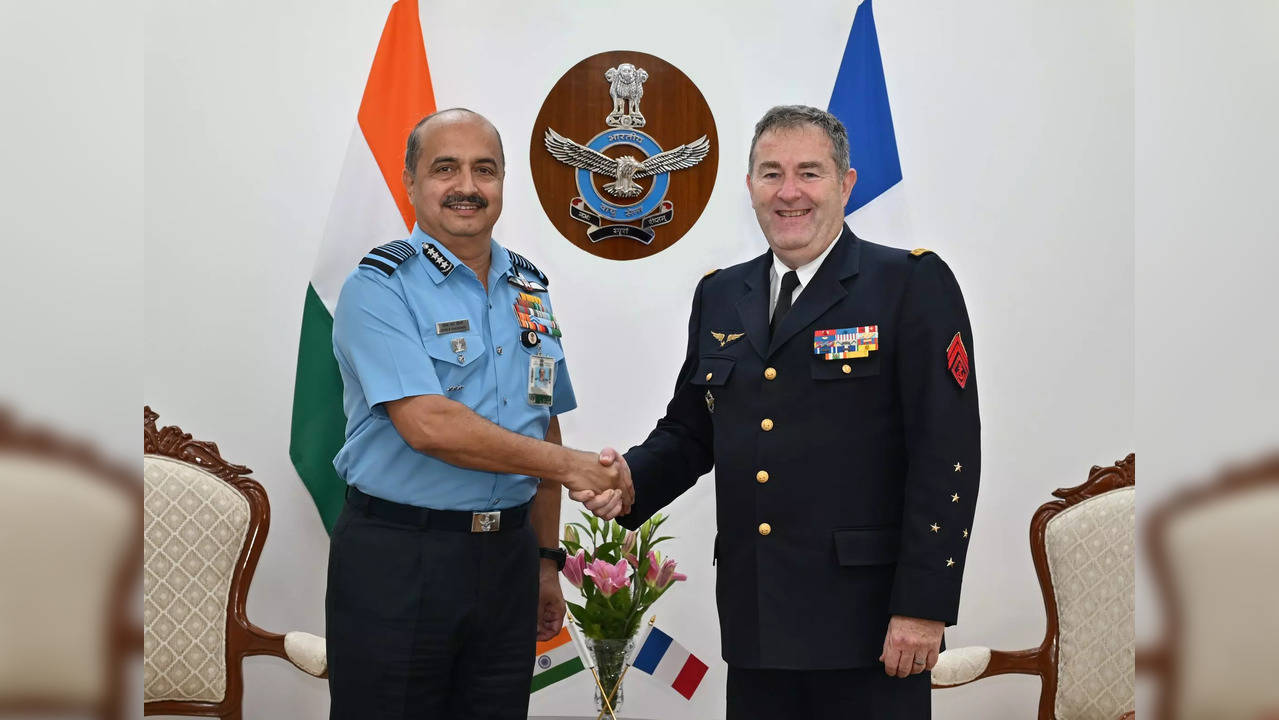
(669, 662)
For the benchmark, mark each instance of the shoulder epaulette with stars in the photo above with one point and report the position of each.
(919, 252)
(519, 262)
(386, 258)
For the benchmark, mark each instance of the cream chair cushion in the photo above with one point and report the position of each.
(1091, 549)
(1222, 562)
(195, 528)
(64, 535)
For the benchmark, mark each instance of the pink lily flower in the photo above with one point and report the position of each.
(667, 574)
(628, 544)
(634, 561)
(654, 565)
(573, 568)
(609, 578)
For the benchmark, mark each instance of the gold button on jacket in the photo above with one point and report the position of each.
(765, 528)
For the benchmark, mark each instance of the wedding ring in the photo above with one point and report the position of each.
(919, 662)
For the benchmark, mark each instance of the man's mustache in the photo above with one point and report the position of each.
(468, 199)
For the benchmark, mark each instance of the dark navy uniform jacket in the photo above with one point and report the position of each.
(845, 488)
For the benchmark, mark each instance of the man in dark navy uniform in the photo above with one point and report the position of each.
(830, 383)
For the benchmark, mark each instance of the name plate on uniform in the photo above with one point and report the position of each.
(452, 326)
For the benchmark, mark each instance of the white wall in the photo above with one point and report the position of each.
(1015, 126)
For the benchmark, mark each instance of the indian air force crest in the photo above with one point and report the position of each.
(623, 183)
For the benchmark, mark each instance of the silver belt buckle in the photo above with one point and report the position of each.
(482, 522)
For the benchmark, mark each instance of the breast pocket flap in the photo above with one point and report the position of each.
(448, 349)
(713, 370)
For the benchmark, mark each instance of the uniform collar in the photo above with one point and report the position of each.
(807, 270)
(441, 262)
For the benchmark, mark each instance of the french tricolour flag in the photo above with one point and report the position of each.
(669, 662)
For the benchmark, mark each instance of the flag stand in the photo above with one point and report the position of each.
(589, 660)
(621, 677)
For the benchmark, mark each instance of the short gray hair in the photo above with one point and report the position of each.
(413, 147)
(793, 116)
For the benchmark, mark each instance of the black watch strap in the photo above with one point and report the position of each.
(556, 554)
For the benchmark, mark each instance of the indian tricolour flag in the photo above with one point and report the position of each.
(370, 208)
(556, 659)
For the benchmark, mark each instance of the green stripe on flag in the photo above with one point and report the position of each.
(557, 673)
(319, 423)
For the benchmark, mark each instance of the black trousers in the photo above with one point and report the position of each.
(429, 624)
(861, 694)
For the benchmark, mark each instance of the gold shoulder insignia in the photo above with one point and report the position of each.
(711, 272)
(920, 251)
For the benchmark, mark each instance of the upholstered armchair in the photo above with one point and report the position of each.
(205, 523)
(1212, 550)
(1083, 549)
(71, 555)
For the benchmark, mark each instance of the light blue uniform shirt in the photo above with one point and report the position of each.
(387, 347)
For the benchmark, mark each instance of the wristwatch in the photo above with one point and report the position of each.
(556, 554)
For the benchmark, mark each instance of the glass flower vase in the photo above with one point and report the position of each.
(610, 661)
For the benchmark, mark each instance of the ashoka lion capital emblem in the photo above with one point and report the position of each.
(626, 83)
(622, 154)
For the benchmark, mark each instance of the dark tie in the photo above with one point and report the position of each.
(790, 281)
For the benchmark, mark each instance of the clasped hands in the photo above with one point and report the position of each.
(602, 483)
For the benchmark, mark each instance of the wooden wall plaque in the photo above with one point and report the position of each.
(590, 123)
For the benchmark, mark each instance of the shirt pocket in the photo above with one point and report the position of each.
(441, 349)
(846, 368)
(713, 370)
(867, 546)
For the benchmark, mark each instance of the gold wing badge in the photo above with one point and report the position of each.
(725, 339)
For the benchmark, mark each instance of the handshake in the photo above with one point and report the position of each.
(602, 483)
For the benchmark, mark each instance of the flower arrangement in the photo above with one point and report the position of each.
(618, 572)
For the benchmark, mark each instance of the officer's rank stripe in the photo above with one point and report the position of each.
(378, 265)
(388, 255)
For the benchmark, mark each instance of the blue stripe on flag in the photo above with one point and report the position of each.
(860, 101)
(651, 653)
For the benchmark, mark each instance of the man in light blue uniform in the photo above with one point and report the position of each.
(453, 373)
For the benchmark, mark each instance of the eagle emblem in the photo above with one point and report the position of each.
(725, 339)
(625, 170)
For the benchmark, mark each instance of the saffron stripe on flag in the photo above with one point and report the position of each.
(370, 207)
(860, 101)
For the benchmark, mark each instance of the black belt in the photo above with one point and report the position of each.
(431, 519)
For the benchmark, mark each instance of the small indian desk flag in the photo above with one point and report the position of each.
(668, 662)
(556, 659)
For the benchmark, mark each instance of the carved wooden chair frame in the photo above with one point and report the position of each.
(1162, 661)
(243, 638)
(1042, 660)
(125, 637)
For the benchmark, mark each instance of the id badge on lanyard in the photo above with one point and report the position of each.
(541, 379)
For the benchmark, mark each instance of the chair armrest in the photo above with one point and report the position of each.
(959, 666)
(308, 652)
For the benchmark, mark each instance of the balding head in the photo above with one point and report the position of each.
(417, 136)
